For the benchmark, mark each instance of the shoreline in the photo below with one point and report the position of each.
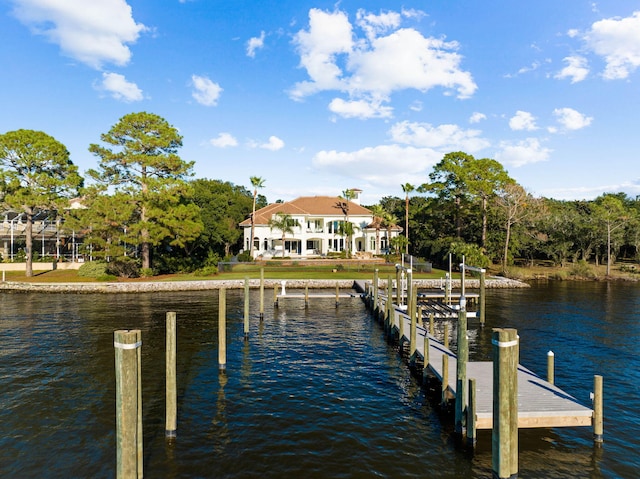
(207, 285)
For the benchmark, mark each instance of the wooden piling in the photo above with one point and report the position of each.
(413, 332)
(482, 301)
(388, 307)
(246, 308)
(376, 310)
(425, 363)
(598, 415)
(337, 295)
(127, 345)
(222, 329)
(504, 435)
(306, 296)
(432, 329)
(171, 395)
(461, 373)
(446, 335)
(261, 294)
(471, 414)
(550, 367)
(445, 379)
(275, 296)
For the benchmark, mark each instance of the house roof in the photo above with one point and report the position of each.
(307, 205)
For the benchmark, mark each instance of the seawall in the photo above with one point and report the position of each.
(168, 286)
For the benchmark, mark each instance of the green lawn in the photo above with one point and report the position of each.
(252, 271)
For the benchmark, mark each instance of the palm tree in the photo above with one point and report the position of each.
(378, 213)
(283, 222)
(407, 188)
(256, 182)
(390, 221)
(343, 204)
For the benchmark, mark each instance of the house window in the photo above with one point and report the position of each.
(266, 244)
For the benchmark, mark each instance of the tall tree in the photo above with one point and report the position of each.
(485, 177)
(144, 164)
(285, 223)
(612, 214)
(223, 206)
(36, 174)
(514, 202)
(257, 182)
(407, 188)
(449, 182)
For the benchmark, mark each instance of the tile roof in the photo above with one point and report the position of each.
(307, 205)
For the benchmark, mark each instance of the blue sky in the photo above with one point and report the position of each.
(317, 97)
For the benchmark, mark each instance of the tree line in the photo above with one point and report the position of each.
(143, 210)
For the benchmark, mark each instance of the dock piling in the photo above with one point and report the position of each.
(461, 372)
(504, 435)
(171, 396)
(222, 329)
(246, 308)
(127, 345)
(550, 367)
(261, 294)
(598, 416)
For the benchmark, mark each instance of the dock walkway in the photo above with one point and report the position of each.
(540, 403)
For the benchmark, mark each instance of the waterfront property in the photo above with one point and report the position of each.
(319, 229)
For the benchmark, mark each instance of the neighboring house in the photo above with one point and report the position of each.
(318, 229)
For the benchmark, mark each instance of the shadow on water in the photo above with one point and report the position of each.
(314, 392)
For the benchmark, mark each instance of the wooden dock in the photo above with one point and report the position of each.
(540, 403)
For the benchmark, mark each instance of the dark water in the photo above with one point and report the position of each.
(314, 393)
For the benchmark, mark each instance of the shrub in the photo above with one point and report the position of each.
(582, 269)
(146, 272)
(207, 271)
(124, 268)
(93, 269)
(245, 257)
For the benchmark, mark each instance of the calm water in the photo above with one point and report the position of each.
(314, 393)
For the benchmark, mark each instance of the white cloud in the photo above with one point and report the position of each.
(119, 88)
(254, 44)
(522, 153)
(576, 69)
(477, 117)
(374, 25)
(571, 119)
(371, 165)
(523, 120)
(274, 144)
(93, 33)
(617, 40)
(442, 137)
(329, 34)
(360, 109)
(205, 91)
(371, 67)
(224, 140)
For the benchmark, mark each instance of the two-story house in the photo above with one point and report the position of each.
(319, 228)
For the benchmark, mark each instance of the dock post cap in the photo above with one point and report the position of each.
(550, 353)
